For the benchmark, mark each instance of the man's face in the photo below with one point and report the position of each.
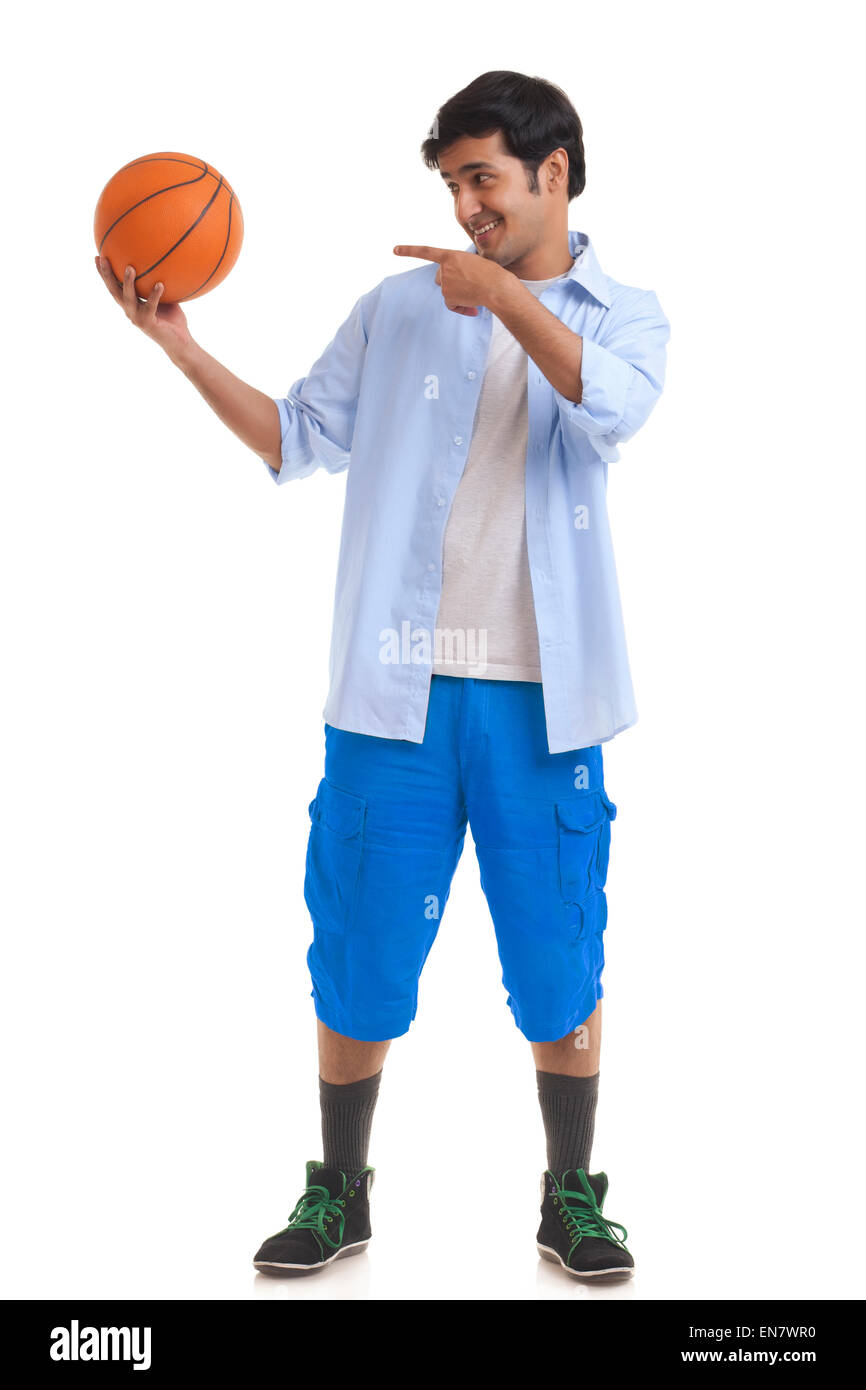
(489, 185)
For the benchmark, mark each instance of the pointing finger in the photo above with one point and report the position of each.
(421, 253)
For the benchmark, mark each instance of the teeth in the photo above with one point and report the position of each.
(479, 230)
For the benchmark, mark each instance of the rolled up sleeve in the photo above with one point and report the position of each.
(622, 374)
(317, 415)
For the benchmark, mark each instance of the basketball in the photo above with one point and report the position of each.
(175, 219)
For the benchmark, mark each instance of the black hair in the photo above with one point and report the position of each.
(534, 116)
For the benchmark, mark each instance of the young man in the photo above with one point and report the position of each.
(478, 658)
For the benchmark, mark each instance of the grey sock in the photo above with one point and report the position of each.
(568, 1110)
(347, 1117)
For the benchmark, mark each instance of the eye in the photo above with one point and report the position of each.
(452, 186)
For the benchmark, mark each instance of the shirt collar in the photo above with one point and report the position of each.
(586, 270)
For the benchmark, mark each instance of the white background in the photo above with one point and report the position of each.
(165, 630)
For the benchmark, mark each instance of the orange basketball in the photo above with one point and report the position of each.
(175, 219)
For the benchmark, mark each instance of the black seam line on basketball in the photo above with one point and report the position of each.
(206, 172)
(169, 188)
(170, 159)
(231, 200)
(221, 253)
(189, 229)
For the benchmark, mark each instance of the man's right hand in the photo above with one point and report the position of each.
(165, 323)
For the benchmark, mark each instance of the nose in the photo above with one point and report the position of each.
(468, 206)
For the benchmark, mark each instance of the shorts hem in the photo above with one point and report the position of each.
(536, 1033)
(368, 1032)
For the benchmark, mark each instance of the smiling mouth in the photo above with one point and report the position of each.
(483, 233)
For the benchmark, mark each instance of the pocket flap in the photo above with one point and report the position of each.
(341, 811)
(586, 812)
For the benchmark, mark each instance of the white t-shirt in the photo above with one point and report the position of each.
(486, 626)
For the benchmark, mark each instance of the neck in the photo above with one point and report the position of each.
(544, 261)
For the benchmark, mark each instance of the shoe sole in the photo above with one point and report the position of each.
(272, 1266)
(616, 1272)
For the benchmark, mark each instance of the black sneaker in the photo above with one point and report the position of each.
(573, 1232)
(331, 1220)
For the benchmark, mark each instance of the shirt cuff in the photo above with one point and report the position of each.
(606, 380)
(280, 475)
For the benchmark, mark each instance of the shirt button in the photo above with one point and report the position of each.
(431, 567)
(471, 376)
(440, 501)
(458, 439)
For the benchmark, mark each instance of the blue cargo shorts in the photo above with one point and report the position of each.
(387, 827)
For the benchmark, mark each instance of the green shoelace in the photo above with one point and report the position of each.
(315, 1210)
(583, 1217)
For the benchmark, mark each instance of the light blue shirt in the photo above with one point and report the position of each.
(395, 393)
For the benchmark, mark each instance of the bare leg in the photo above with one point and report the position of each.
(342, 1059)
(567, 1059)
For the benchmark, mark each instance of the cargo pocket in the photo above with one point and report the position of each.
(334, 856)
(584, 844)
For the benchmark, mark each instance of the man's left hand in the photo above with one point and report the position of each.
(467, 279)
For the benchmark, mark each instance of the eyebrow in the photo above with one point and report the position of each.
(466, 168)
